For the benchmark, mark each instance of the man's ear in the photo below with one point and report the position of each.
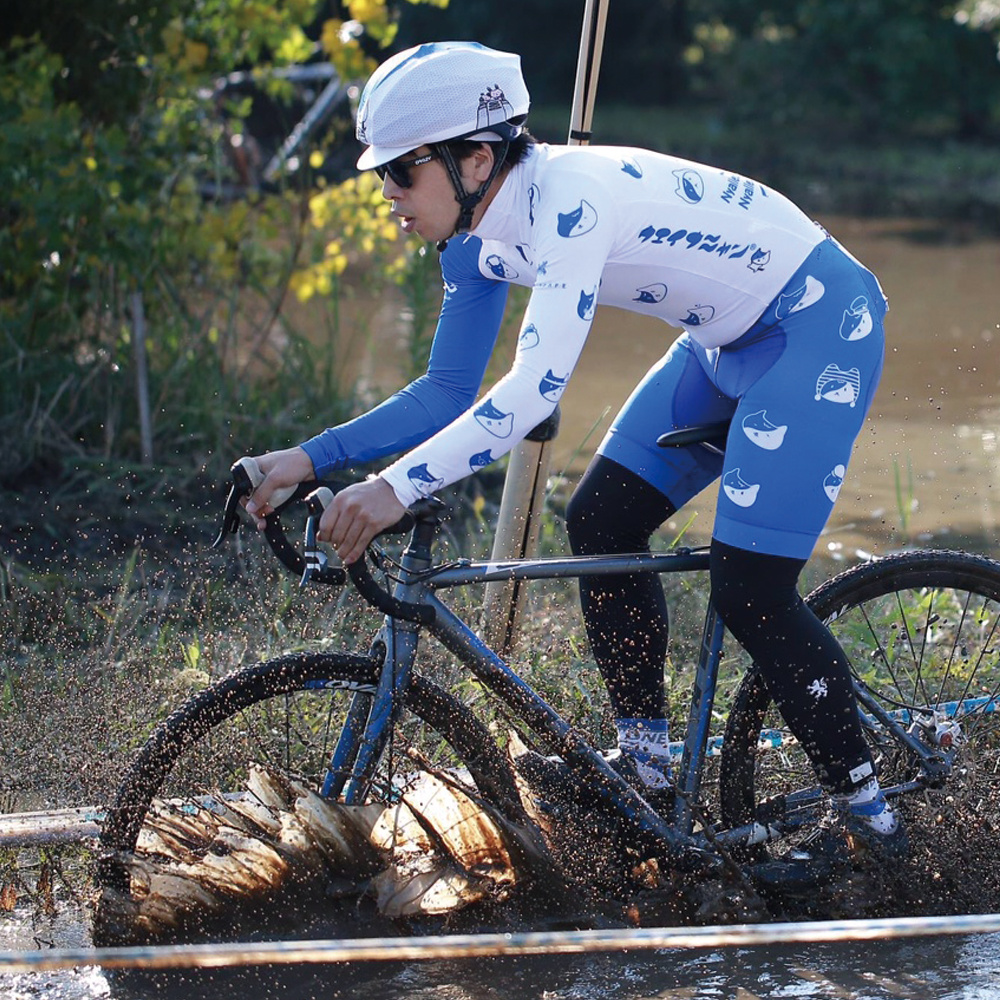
(482, 162)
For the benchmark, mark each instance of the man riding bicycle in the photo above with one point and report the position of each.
(782, 334)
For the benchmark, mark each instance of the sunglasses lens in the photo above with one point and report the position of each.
(397, 170)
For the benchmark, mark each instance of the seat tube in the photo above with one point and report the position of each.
(699, 720)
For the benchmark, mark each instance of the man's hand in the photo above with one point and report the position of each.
(356, 515)
(281, 469)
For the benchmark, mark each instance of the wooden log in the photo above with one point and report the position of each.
(434, 815)
(425, 885)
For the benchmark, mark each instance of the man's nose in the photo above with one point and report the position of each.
(390, 189)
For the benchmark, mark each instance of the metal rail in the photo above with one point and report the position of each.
(490, 945)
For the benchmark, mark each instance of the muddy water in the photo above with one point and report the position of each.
(935, 420)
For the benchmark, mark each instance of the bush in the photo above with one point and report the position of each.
(105, 235)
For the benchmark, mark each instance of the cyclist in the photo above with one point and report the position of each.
(782, 331)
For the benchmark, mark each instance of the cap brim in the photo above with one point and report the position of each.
(375, 156)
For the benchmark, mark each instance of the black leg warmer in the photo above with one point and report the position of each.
(615, 511)
(806, 671)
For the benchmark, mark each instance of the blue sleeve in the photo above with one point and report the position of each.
(467, 329)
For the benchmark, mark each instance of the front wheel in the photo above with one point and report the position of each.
(921, 632)
(287, 713)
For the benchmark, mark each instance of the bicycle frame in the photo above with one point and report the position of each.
(372, 716)
(370, 720)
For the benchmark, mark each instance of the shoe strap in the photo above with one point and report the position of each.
(875, 807)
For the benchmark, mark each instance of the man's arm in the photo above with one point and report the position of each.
(554, 330)
(466, 334)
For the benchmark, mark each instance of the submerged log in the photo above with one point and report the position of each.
(437, 850)
(278, 846)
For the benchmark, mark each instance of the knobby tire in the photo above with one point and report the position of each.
(191, 726)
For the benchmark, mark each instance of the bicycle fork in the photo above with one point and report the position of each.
(371, 717)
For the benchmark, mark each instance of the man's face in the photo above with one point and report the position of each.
(428, 206)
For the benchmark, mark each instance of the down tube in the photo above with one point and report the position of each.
(542, 719)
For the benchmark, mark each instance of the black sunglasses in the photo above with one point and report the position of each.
(399, 169)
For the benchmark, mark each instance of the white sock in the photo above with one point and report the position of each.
(647, 742)
(869, 803)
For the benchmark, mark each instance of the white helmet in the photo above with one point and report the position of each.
(440, 91)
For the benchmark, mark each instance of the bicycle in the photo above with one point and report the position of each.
(919, 627)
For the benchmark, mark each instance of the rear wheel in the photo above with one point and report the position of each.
(287, 714)
(921, 632)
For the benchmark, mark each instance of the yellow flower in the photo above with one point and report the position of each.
(367, 10)
(195, 54)
(302, 285)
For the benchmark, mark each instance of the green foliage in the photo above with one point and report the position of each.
(872, 68)
(642, 61)
(111, 138)
(877, 68)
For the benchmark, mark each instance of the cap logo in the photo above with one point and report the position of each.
(493, 107)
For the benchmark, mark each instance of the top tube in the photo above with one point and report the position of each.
(465, 572)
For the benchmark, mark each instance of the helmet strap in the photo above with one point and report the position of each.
(467, 201)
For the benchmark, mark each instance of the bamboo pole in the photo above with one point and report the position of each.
(142, 376)
(519, 521)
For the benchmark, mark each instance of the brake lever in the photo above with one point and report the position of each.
(317, 569)
(242, 487)
(247, 476)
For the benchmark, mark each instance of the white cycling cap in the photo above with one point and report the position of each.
(437, 92)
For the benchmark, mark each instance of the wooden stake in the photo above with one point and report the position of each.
(520, 515)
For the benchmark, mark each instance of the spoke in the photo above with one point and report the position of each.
(288, 733)
(880, 649)
(951, 659)
(983, 651)
(908, 636)
(919, 682)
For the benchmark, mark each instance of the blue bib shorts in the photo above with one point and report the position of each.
(797, 386)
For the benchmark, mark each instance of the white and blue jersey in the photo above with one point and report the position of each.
(753, 283)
